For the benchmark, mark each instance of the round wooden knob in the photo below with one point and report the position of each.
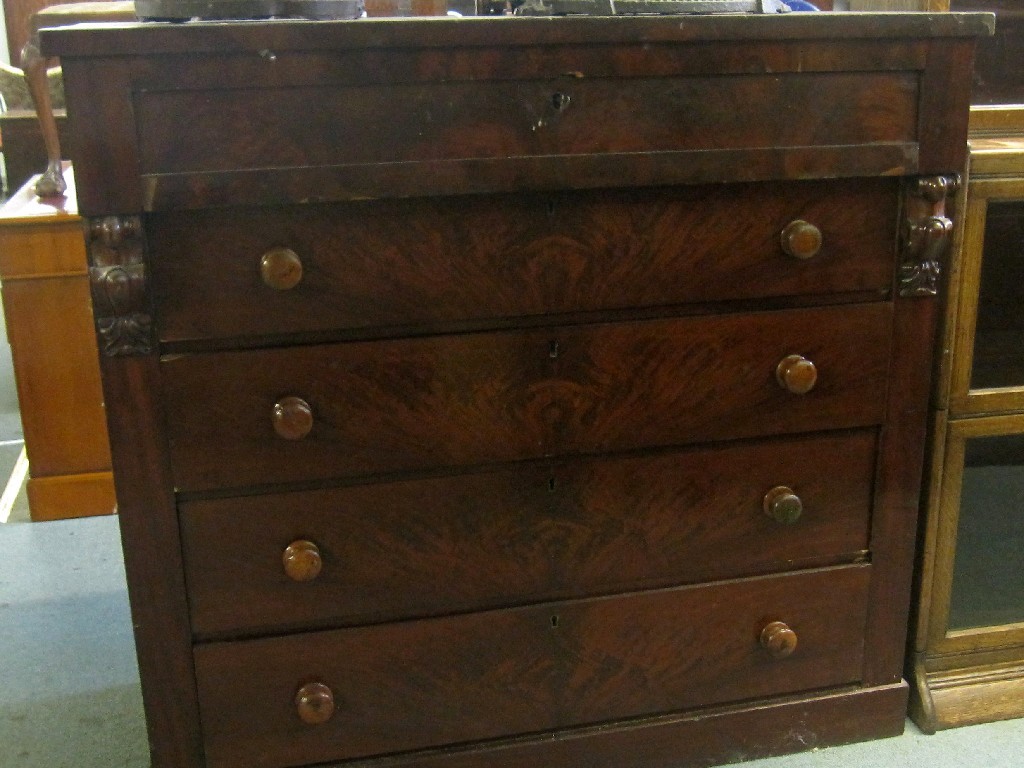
(778, 639)
(302, 561)
(801, 239)
(315, 703)
(293, 418)
(281, 268)
(796, 374)
(782, 505)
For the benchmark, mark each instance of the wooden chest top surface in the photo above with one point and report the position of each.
(386, 108)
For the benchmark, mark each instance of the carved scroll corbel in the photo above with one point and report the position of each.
(117, 277)
(927, 233)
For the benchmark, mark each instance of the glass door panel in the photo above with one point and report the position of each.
(999, 333)
(988, 572)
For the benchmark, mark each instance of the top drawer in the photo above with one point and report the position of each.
(402, 264)
(564, 115)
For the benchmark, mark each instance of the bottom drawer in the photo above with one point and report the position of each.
(415, 684)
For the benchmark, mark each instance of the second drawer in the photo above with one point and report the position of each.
(304, 414)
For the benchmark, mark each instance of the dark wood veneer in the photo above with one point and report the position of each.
(467, 409)
(414, 262)
(552, 529)
(444, 401)
(483, 675)
(405, 123)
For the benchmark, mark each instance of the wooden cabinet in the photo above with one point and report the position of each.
(969, 647)
(49, 324)
(534, 392)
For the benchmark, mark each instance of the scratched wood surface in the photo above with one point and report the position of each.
(552, 529)
(483, 675)
(474, 399)
(427, 263)
(507, 281)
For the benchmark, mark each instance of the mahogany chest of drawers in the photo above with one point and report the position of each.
(517, 392)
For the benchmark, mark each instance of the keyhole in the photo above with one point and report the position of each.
(553, 350)
(560, 101)
(551, 484)
(554, 621)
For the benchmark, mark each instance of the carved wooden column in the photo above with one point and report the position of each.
(117, 276)
(926, 234)
(130, 366)
(924, 239)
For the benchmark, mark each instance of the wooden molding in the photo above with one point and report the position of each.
(117, 276)
(967, 696)
(927, 233)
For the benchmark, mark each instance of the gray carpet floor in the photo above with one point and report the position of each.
(69, 689)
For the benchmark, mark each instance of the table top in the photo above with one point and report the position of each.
(26, 207)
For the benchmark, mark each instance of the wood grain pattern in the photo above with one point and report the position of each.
(431, 262)
(551, 530)
(698, 738)
(821, 33)
(569, 312)
(483, 675)
(898, 489)
(400, 405)
(742, 140)
(450, 121)
(152, 560)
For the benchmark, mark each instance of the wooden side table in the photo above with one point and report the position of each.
(46, 301)
(968, 652)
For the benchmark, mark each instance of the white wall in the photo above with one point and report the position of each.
(5, 55)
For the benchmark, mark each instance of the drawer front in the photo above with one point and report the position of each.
(400, 123)
(471, 259)
(413, 404)
(557, 530)
(484, 675)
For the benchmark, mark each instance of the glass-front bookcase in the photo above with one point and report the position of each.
(967, 654)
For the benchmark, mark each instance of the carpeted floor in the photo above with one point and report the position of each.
(69, 690)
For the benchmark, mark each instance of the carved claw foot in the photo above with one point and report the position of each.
(51, 183)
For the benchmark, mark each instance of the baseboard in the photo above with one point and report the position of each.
(968, 696)
(687, 740)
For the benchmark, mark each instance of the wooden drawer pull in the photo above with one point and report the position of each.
(778, 639)
(281, 269)
(796, 374)
(293, 418)
(315, 703)
(782, 505)
(302, 560)
(801, 239)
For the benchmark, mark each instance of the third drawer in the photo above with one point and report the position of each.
(542, 531)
